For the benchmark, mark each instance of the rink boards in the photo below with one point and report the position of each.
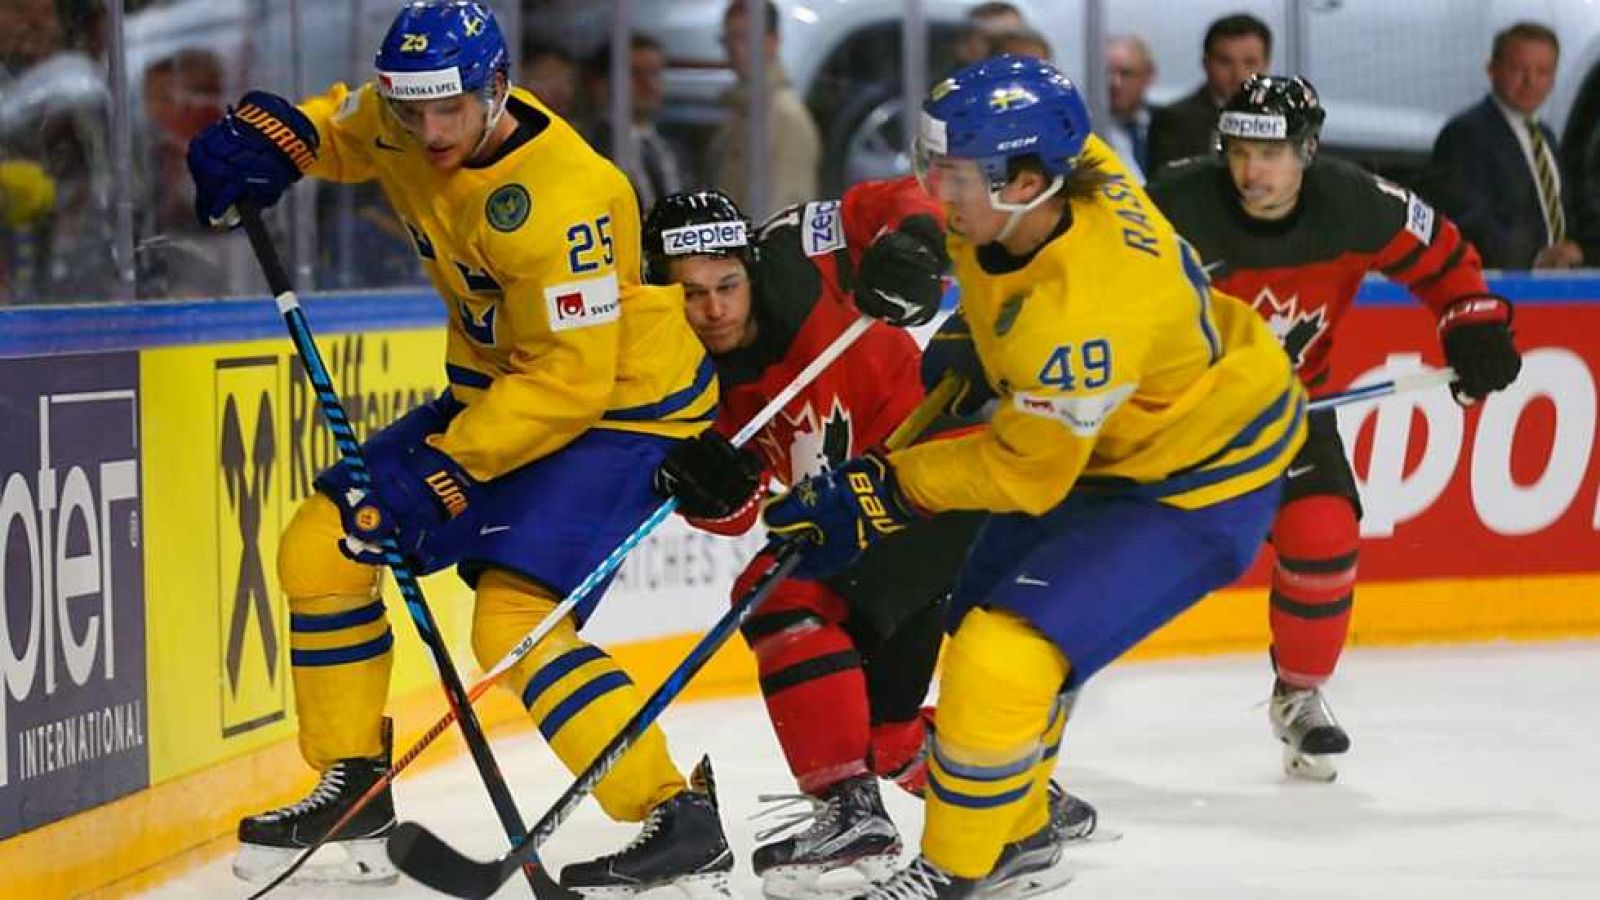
(153, 453)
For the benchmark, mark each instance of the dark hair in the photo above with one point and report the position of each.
(539, 49)
(1523, 31)
(993, 9)
(738, 6)
(598, 64)
(1235, 26)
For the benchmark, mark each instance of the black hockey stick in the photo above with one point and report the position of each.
(421, 854)
(344, 437)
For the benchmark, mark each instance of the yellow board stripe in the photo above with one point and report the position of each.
(155, 835)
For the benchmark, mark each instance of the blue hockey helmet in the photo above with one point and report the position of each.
(1002, 109)
(441, 48)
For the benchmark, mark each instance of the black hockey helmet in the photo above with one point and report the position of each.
(698, 223)
(1273, 108)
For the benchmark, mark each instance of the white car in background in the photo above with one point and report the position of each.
(1390, 72)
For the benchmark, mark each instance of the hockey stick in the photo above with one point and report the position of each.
(524, 646)
(1404, 384)
(421, 854)
(344, 437)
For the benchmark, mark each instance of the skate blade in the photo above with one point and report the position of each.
(710, 886)
(802, 882)
(353, 862)
(1034, 884)
(1309, 767)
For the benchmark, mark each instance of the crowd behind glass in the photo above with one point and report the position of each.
(71, 192)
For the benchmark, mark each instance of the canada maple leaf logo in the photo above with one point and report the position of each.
(816, 444)
(1295, 329)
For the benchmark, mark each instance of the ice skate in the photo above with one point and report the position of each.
(1032, 866)
(269, 841)
(1311, 737)
(849, 828)
(681, 845)
(922, 880)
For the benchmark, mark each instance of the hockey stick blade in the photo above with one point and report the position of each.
(421, 854)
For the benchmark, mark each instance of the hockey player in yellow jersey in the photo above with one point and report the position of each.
(1142, 422)
(568, 383)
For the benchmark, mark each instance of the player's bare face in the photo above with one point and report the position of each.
(1267, 175)
(961, 187)
(716, 291)
(448, 129)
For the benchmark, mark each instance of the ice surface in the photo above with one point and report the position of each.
(1475, 775)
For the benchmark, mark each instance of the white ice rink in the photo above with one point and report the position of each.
(1475, 775)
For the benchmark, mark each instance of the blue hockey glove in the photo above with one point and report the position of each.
(254, 152)
(843, 512)
(415, 489)
(900, 281)
(951, 349)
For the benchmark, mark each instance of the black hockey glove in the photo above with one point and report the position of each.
(900, 281)
(1481, 350)
(951, 350)
(711, 478)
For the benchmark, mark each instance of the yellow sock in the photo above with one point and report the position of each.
(1000, 683)
(339, 638)
(576, 694)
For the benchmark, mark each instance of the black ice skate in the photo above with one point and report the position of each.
(681, 845)
(269, 841)
(1302, 720)
(1032, 866)
(849, 828)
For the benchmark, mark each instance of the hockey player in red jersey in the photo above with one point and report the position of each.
(844, 663)
(1293, 234)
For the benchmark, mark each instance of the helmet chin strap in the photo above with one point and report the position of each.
(1018, 210)
(496, 108)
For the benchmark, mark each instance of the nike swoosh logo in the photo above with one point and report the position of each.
(1029, 581)
(1213, 267)
(382, 145)
(1297, 471)
(491, 529)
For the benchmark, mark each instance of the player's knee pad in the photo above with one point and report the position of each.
(505, 609)
(1316, 540)
(794, 610)
(310, 563)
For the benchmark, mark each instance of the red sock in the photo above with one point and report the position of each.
(1313, 583)
(811, 677)
(899, 752)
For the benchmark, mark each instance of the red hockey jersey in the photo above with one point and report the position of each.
(1302, 272)
(802, 302)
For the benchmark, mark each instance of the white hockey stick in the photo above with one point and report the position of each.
(1404, 384)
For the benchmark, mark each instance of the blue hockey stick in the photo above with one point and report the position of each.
(344, 438)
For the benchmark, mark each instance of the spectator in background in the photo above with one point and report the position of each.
(182, 93)
(552, 75)
(1129, 71)
(985, 22)
(1498, 166)
(794, 146)
(659, 171)
(1021, 42)
(1235, 48)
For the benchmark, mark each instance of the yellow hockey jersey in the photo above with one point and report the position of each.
(1117, 366)
(537, 258)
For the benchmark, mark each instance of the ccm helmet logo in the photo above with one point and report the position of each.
(692, 239)
(1017, 144)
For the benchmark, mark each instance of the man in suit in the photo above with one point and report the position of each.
(1500, 176)
(657, 170)
(1235, 48)
(1129, 71)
